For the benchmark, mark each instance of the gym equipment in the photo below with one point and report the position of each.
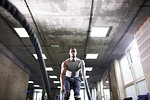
(62, 95)
(85, 80)
(21, 19)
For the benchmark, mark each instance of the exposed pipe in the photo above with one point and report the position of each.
(89, 28)
(138, 11)
(145, 5)
(16, 14)
(38, 31)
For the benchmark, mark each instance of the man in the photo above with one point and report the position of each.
(71, 68)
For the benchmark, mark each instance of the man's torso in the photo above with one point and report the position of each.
(73, 68)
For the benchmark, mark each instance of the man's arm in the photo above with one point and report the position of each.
(62, 75)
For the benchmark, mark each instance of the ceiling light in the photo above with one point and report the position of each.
(82, 87)
(55, 46)
(38, 90)
(49, 69)
(21, 32)
(36, 57)
(58, 86)
(87, 76)
(56, 81)
(107, 82)
(36, 85)
(30, 82)
(104, 86)
(53, 76)
(99, 31)
(88, 68)
(91, 56)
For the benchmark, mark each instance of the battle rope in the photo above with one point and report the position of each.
(17, 14)
(85, 80)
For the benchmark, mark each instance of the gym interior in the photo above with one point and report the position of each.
(111, 36)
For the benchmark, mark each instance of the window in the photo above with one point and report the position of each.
(131, 92)
(135, 61)
(134, 82)
(126, 71)
(142, 87)
(93, 94)
(37, 94)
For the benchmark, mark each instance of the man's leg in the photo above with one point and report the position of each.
(67, 87)
(76, 88)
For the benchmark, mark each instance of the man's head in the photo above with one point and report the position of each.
(73, 52)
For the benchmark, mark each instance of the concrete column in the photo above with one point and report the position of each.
(98, 90)
(13, 80)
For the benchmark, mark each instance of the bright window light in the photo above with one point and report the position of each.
(21, 32)
(91, 56)
(56, 81)
(36, 57)
(82, 81)
(36, 85)
(53, 76)
(99, 31)
(88, 68)
(30, 82)
(49, 69)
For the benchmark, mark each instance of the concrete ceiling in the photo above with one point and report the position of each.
(66, 23)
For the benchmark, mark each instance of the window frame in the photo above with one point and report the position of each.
(135, 80)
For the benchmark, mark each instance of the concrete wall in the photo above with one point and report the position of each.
(143, 40)
(120, 86)
(13, 80)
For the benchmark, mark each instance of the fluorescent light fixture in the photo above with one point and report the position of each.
(56, 81)
(104, 86)
(55, 46)
(107, 82)
(36, 85)
(99, 31)
(58, 86)
(30, 82)
(82, 87)
(87, 76)
(49, 69)
(38, 90)
(21, 32)
(53, 76)
(36, 57)
(88, 68)
(91, 56)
